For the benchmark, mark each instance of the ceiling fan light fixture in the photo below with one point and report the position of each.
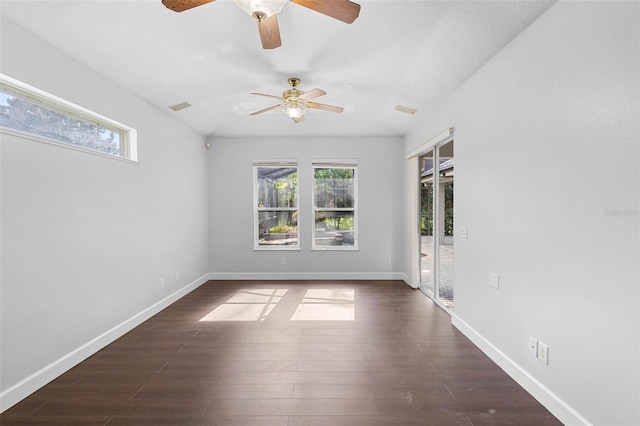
(294, 108)
(295, 103)
(261, 8)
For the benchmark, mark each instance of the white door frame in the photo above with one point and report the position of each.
(413, 210)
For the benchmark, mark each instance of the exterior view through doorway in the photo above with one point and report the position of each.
(436, 223)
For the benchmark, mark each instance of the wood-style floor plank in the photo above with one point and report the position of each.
(397, 361)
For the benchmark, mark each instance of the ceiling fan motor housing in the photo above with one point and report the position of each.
(261, 9)
(293, 95)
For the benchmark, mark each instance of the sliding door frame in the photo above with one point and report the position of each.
(413, 228)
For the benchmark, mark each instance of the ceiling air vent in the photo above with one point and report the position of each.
(405, 109)
(178, 107)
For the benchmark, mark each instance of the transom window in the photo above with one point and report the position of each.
(335, 199)
(276, 206)
(28, 112)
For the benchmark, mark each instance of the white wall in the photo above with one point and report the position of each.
(547, 180)
(85, 239)
(381, 211)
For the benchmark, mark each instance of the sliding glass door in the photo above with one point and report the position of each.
(427, 252)
(436, 223)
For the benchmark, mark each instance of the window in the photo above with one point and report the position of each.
(29, 112)
(335, 206)
(276, 206)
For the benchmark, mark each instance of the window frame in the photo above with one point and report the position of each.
(257, 209)
(335, 164)
(73, 111)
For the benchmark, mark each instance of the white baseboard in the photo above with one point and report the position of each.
(559, 408)
(307, 276)
(27, 386)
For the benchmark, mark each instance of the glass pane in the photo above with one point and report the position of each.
(277, 228)
(26, 113)
(445, 219)
(277, 187)
(427, 259)
(334, 187)
(334, 228)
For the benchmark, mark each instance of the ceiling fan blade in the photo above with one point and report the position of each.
(267, 96)
(325, 107)
(299, 119)
(312, 94)
(342, 10)
(182, 5)
(269, 32)
(265, 110)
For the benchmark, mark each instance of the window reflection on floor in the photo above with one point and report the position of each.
(247, 305)
(326, 305)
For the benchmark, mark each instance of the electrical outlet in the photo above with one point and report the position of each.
(283, 261)
(543, 353)
(388, 261)
(161, 282)
(463, 232)
(177, 276)
(494, 280)
(533, 346)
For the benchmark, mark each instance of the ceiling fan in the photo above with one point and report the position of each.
(265, 12)
(295, 102)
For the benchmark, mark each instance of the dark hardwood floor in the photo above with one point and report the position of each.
(356, 353)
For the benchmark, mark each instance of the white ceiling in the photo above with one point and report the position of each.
(412, 53)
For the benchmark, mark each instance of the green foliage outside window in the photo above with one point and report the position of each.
(19, 111)
(334, 223)
(426, 206)
(282, 229)
(334, 187)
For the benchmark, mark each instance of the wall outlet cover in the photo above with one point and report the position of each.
(543, 353)
(494, 280)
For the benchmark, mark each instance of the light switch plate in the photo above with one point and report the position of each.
(463, 232)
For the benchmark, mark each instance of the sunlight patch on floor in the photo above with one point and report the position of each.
(326, 305)
(247, 305)
(263, 295)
